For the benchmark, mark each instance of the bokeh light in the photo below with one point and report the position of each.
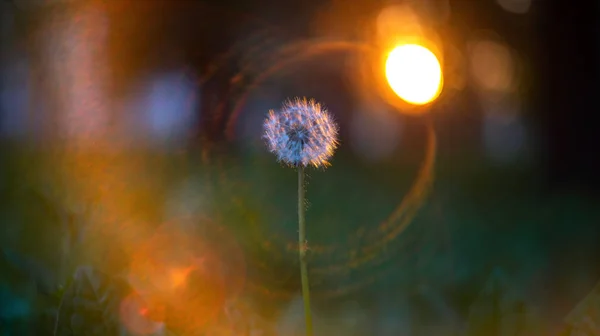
(162, 109)
(76, 48)
(397, 21)
(414, 73)
(190, 273)
(138, 317)
(172, 101)
(494, 70)
(492, 66)
(15, 99)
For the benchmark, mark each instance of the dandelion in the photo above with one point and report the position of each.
(301, 134)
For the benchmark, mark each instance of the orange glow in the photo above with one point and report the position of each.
(134, 316)
(190, 276)
(414, 73)
(397, 22)
(178, 276)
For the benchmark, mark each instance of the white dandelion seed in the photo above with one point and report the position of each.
(303, 133)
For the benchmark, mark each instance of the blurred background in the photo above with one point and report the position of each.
(138, 197)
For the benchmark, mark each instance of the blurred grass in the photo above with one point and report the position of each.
(478, 217)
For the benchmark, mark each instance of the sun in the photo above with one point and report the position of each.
(414, 73)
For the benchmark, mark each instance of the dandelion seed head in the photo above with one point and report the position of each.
(303, 133)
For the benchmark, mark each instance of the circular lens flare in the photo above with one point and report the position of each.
(414, 74)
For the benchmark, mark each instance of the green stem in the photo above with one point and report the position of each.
(302, 252)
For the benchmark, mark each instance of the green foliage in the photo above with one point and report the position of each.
(481, 220)
(90, 304)
(499, 311)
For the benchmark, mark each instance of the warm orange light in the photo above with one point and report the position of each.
(179, 276)
(414, 73)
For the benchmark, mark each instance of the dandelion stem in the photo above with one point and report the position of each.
(302, 248)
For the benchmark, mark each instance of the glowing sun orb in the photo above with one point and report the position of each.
(414, 73)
